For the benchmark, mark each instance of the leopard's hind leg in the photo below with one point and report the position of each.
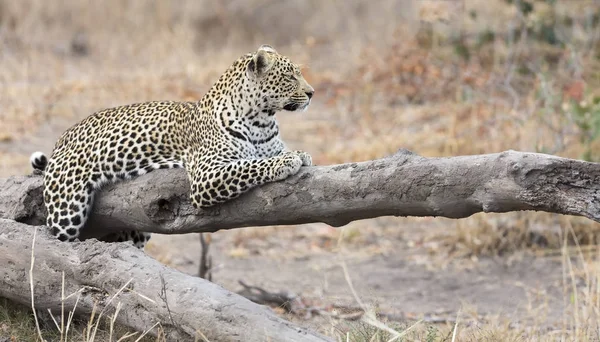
(69, 196)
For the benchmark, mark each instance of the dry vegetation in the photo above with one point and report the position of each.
(439, 78)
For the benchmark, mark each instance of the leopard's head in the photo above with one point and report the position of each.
(278, 81)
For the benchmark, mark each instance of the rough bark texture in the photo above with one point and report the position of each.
(404, 184)
(401, 185)
(183, 304)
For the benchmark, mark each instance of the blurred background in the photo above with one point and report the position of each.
(440, 78)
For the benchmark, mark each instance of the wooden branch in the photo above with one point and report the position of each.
(187, 307)
(404, 184)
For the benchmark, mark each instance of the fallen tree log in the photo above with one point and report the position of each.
(404, 184)
(187, 308)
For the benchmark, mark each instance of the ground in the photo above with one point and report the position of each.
(399, 279)
(436, 78)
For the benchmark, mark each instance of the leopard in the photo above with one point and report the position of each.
(228, 142)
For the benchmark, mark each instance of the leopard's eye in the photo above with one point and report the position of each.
(291, 77)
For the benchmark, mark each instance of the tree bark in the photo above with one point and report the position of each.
(187, 307)
(404, 184)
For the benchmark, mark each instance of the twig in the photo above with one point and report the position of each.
(205, 269)
(71, 314)
(93, 336)
(148, 330)
(112, 322)
(163, 296)
(204, 338)
(294, 304)
(455, 326)
(349, 282)
(62, 310)
(261, 296)
(37, 323)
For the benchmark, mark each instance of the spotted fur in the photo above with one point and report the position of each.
(228, 142)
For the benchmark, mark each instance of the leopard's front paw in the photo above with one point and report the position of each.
(288, 164)
(305, 157)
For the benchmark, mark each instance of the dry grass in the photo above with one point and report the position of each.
(18, 324)
(422, 75)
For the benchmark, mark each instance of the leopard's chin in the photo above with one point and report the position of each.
(305, 107)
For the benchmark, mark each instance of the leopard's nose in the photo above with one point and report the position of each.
(309, 93)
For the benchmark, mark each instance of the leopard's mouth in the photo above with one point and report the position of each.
(297, 107)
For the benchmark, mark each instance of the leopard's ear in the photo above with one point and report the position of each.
(267, 48)
(263, 60)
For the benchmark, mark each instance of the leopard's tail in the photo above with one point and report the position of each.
(38, 161)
